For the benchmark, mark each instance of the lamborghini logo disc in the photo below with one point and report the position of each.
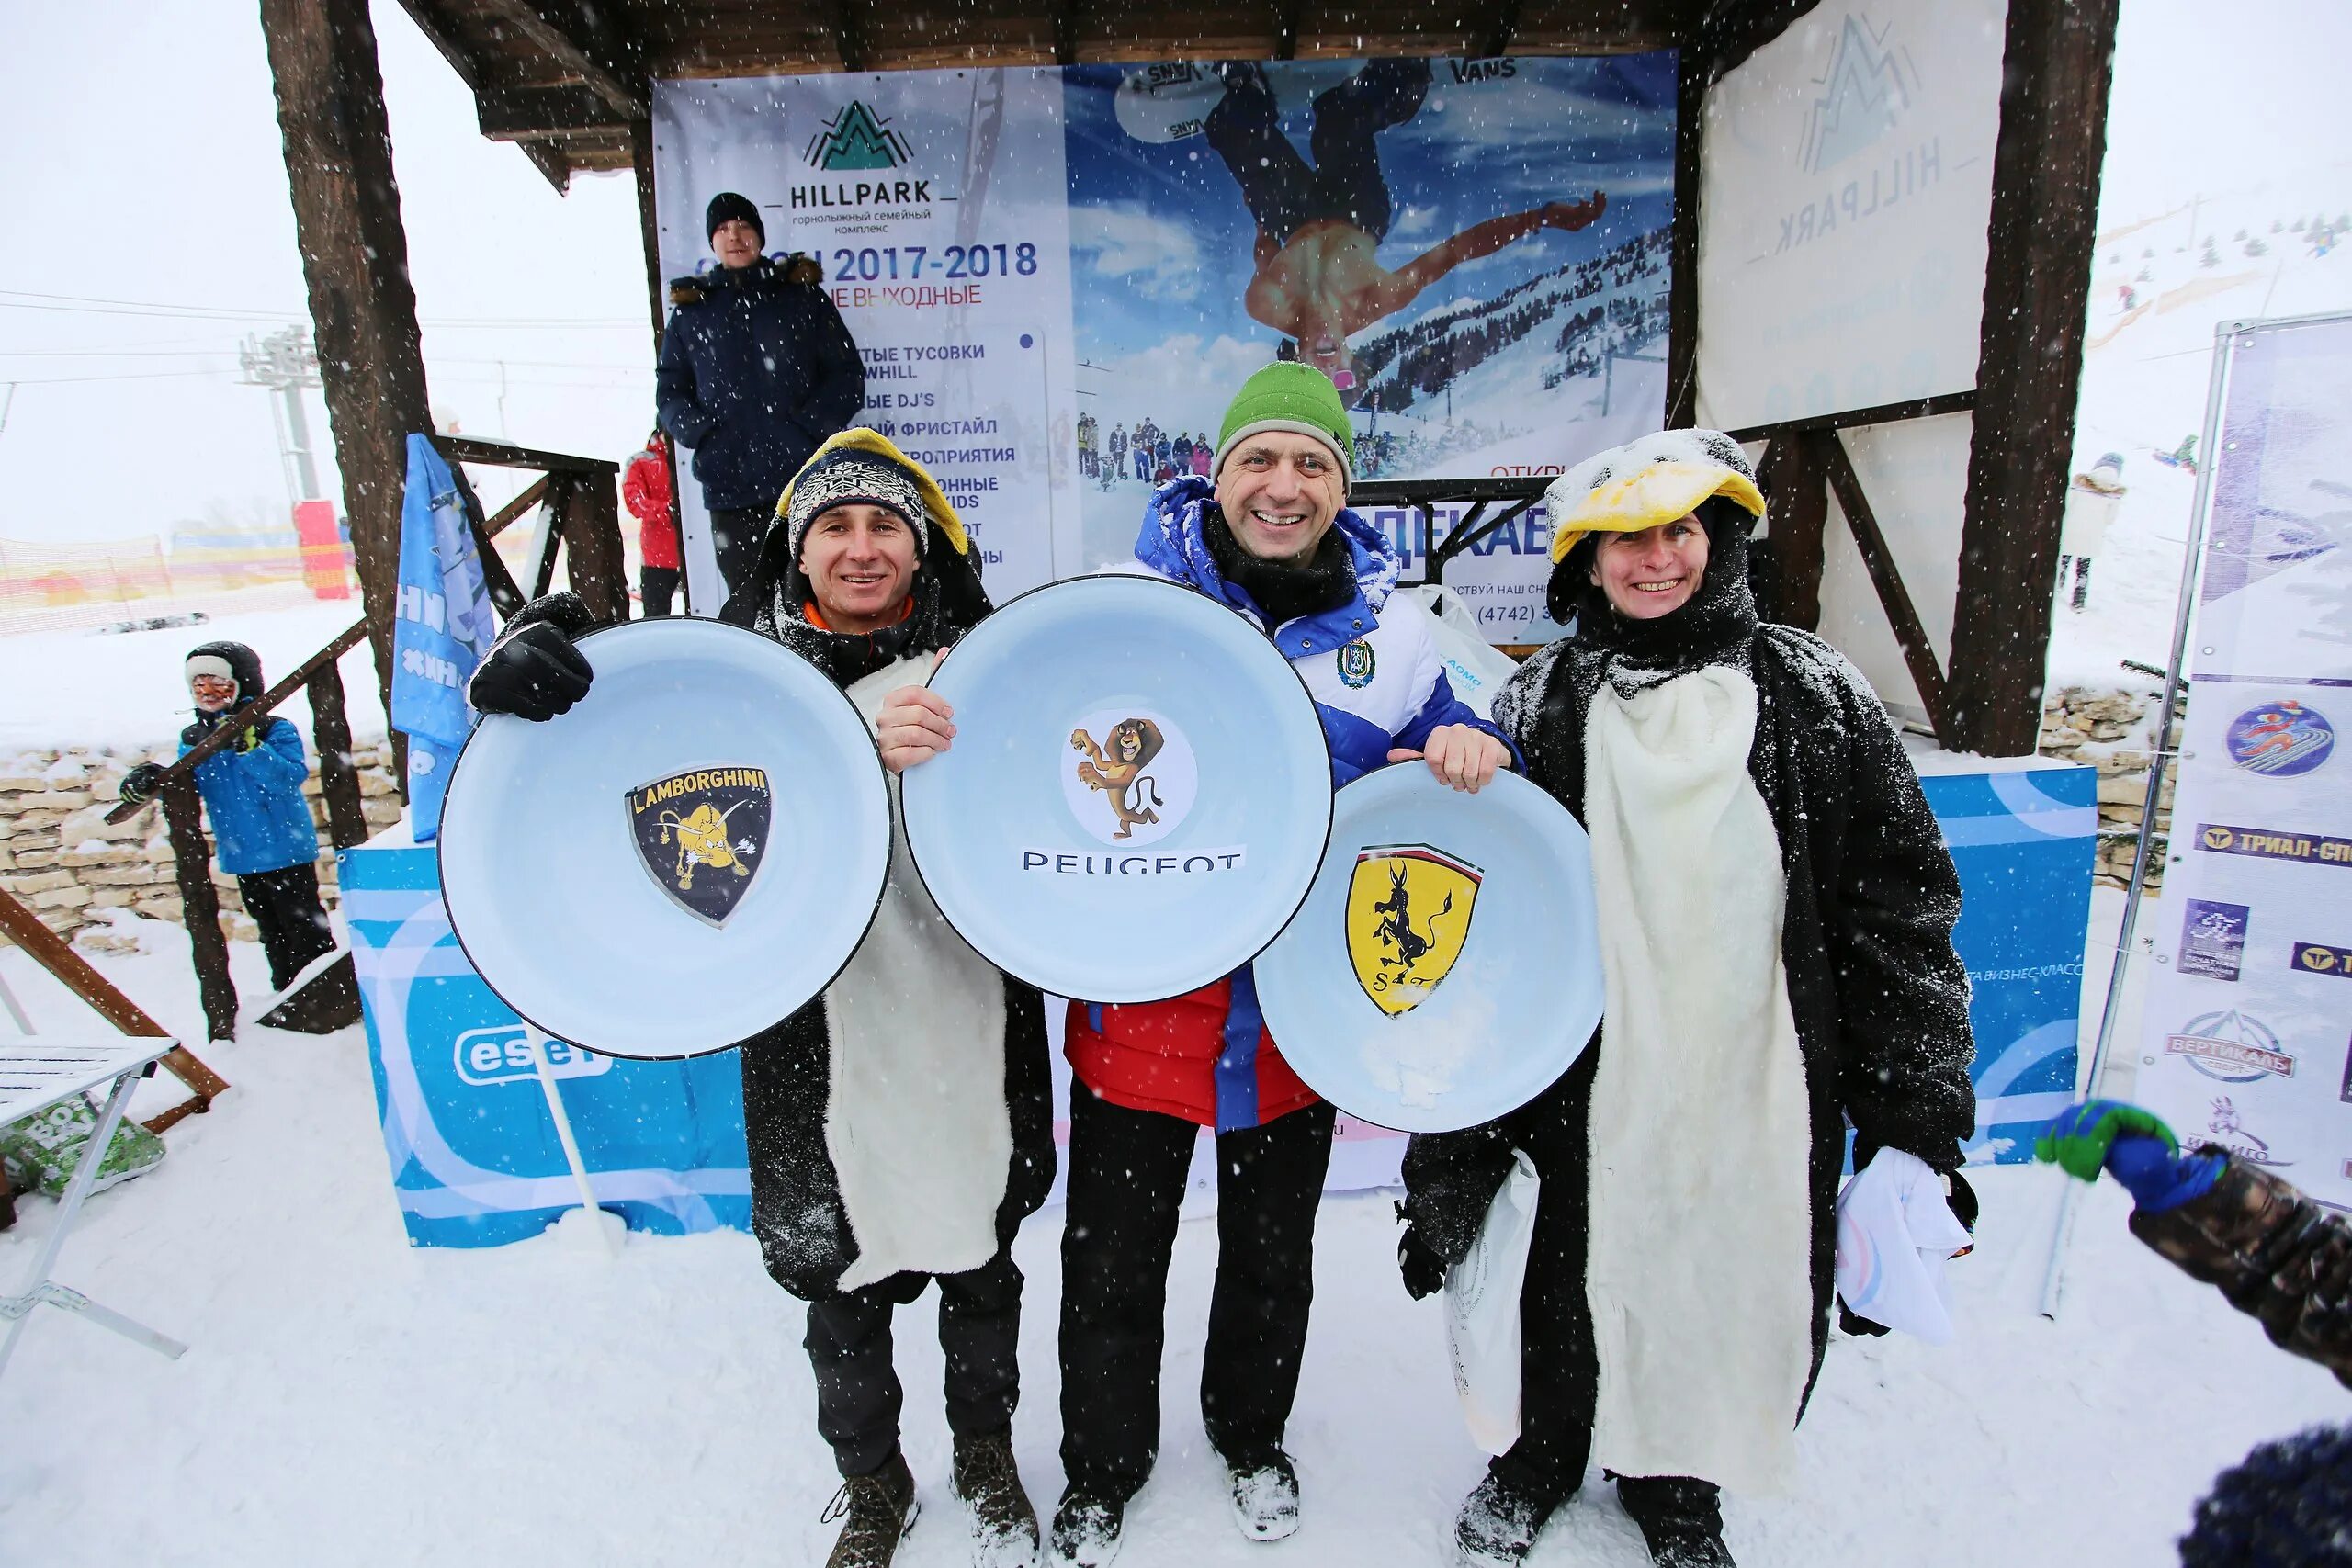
(1408, 914)
(703, 834)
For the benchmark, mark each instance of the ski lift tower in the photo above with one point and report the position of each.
(285, 362)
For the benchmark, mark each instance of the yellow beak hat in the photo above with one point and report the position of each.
(1644, 483)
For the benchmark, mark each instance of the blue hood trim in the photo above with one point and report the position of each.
(1174, 543)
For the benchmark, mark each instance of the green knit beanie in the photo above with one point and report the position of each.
(1291, 397)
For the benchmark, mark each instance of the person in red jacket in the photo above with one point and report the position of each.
(645, 489)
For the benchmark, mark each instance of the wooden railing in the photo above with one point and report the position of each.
(1425, 496)
(582, 520)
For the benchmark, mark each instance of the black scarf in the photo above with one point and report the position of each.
(1283, 591)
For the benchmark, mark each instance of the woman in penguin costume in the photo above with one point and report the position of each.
(1777, 907)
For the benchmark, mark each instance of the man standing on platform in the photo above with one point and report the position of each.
(757, 368)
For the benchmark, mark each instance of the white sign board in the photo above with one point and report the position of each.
(1846, 185)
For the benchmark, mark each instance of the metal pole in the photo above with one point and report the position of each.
(2055, 1280)
(563, 1132)
(300, 427)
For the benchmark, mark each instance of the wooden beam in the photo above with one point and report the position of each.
(549, 159)
(1730, 30)
(443, 37)
(588, 39)
(848, 36)
(2055, 78)
(505, 455)
(1796, 479)
(649, 227)
(1918, 654)
(1066, 32)
(1506, 29)
(538, 114)
(1682, 266)
(355, 261)
(1287, 29)
(338, 776)
(1883, 413)
(54, 953)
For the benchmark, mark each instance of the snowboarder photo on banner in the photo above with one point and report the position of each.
(1775, 915)
(1270, 536)
(900, 1126)
(1316, 277)
(262, 829)
(757, 368)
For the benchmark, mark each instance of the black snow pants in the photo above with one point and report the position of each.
(1127, 1179)
(736, 535)
(858, 1394)
(1345, 184)
(1559, 1368)
(284, 906)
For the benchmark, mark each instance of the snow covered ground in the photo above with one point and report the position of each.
(351, 1400)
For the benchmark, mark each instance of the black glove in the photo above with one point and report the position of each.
(139, 785)
(1423, 1270)
(534, 673)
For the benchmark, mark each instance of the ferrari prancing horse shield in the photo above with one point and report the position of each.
(703, 834)
(1408, 914)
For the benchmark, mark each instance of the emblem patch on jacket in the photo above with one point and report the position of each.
(1356, 663)
(702, 834)
(1407, 915)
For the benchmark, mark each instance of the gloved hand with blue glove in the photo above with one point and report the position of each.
(2132, 1145)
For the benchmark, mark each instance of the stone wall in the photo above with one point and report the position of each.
(2110, 730)
(58, 854)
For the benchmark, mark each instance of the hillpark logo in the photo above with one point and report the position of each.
(857, 138)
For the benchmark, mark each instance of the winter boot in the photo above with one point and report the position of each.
(1498, 1524)
(876, 1511)
(1265, 1495)
(1680, 1517)
(1086, 1530)
(1004, 1526)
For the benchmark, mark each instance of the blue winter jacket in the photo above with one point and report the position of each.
(756, 370)
(260, 821)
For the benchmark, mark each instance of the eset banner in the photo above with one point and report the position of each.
(1059, 277)
(2247, 1039)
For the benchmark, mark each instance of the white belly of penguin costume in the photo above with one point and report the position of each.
(1700, 1275)
(915, 1117)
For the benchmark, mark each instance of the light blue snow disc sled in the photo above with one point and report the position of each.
(678, 862)
(1138, 795)
(1446, 966)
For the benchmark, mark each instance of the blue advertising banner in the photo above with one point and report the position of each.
(2023, 837)
(475, 1158)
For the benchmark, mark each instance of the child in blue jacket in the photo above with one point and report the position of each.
(253, 791)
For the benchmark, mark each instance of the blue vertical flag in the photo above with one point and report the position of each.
(444, 627)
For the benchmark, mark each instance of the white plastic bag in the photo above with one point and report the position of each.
(1895, 1232)
(1482, 1310)
(1474, 667)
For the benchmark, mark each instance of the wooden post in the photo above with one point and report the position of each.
(1799, 484)
(592, 545)
(1918, 654)
(1691, 77)
(201, 909)
(354, 259)
(2054, 79)
(338, 777)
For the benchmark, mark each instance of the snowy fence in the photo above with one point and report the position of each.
(58, 854)
(2109, 729)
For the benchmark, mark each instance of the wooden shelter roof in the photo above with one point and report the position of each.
(565, 79)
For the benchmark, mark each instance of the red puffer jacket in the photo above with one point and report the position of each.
(645, 489)
(1204, 1056)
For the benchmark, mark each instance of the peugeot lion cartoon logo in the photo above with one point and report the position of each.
(1408, 916)
(1135, 779)
(703, 835)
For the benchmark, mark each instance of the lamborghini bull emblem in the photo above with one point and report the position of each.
(702, 834)
(1408, 914)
